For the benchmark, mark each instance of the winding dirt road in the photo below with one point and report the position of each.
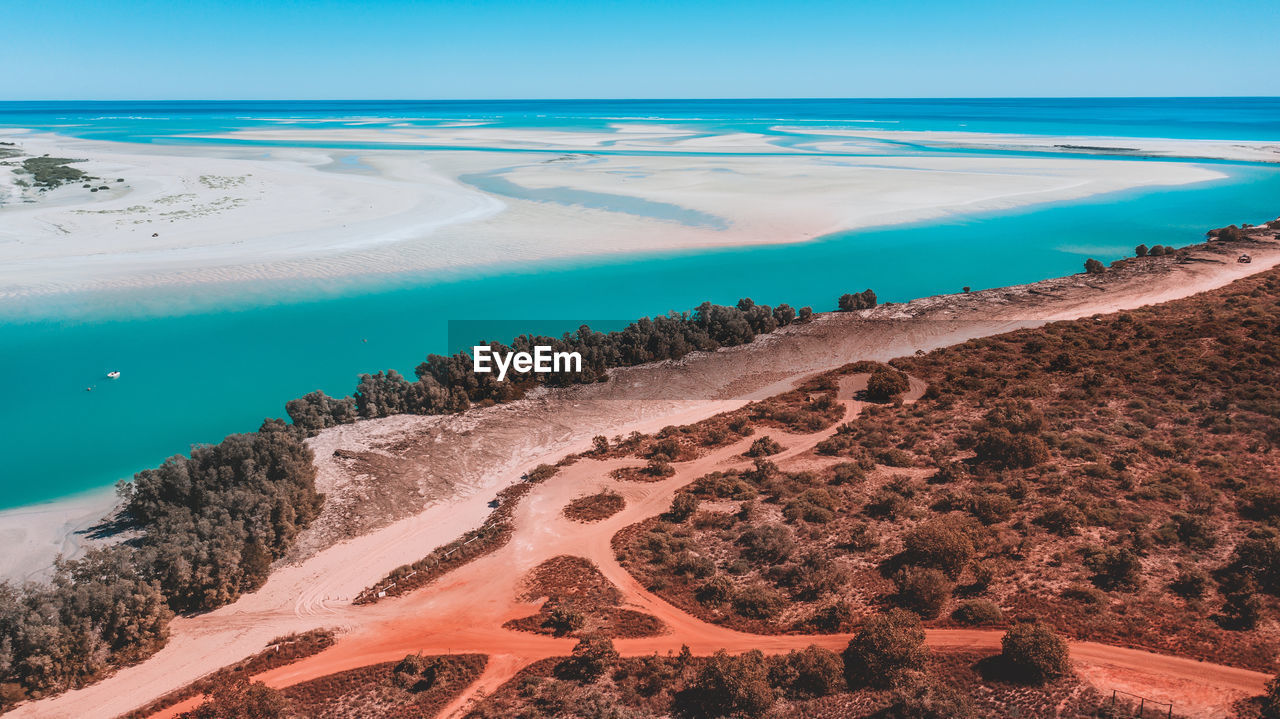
(465, 610)
(491, 447)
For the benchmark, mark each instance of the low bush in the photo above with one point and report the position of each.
(885, 650)
(978, 612)
(1033, 653)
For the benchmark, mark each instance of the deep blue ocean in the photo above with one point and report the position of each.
(200, 364)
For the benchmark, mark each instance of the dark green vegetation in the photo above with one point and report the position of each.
(205, 529)
(1269, 705)
(99, 612)
(50, 172)
(211, 524)
(1115, 478)
(416, 686)
(885, 650)
(580, 602)
(202, 530)
(886, 383)
(448, 384)
(1034, 654)
(863, 300)
(45, 172)
(812, 682)
(240, 698)
(595, 507)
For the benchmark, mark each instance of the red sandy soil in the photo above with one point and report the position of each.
(465, 611)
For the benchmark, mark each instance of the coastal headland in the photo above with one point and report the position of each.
(400, 486)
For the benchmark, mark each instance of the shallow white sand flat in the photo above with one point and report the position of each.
(479, 136)
(1245, 150)
(761, 200)
(211, 213)
(182, 210)
(774, 199)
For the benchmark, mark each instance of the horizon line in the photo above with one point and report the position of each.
(665, 99)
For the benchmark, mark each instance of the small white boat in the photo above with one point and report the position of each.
(113, 374)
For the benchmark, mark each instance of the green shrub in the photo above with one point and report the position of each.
(1003, 449)
(1061, 518)
(1191, 583)
(939, 544)
(1269, 707)
(758, 601)
(1241, 611)
(771, 543)
(1034, 653)
(241, 698)
(564, 619)
(591, 658)
(978, 612)
(809, 673)
(864, 300)
(683, 505)
(922, 590)
(885, 650)
(1115, 568)
(832, 617)
(764, 447)
(729, 686)
(715, 590)
(886, 383)
(847, 473)
(1085, 595)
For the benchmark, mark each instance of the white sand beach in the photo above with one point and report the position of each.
(208, 213)
(34, 536)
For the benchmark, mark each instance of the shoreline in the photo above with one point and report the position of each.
(315, 586)
(55, 526)
(304, 213)
(35, 535)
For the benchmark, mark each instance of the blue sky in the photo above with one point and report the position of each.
(394, 49)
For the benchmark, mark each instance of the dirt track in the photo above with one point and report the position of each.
(315, 591)
(468, 607)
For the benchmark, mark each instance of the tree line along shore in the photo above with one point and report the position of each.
(1108, 479)
(201, 530)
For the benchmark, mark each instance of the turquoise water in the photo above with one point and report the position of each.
(1202, 118)
(494, 184)
(197, 367)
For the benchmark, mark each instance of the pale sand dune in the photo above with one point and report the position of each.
(1244, 150)
(215, 213)
(503, 441)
